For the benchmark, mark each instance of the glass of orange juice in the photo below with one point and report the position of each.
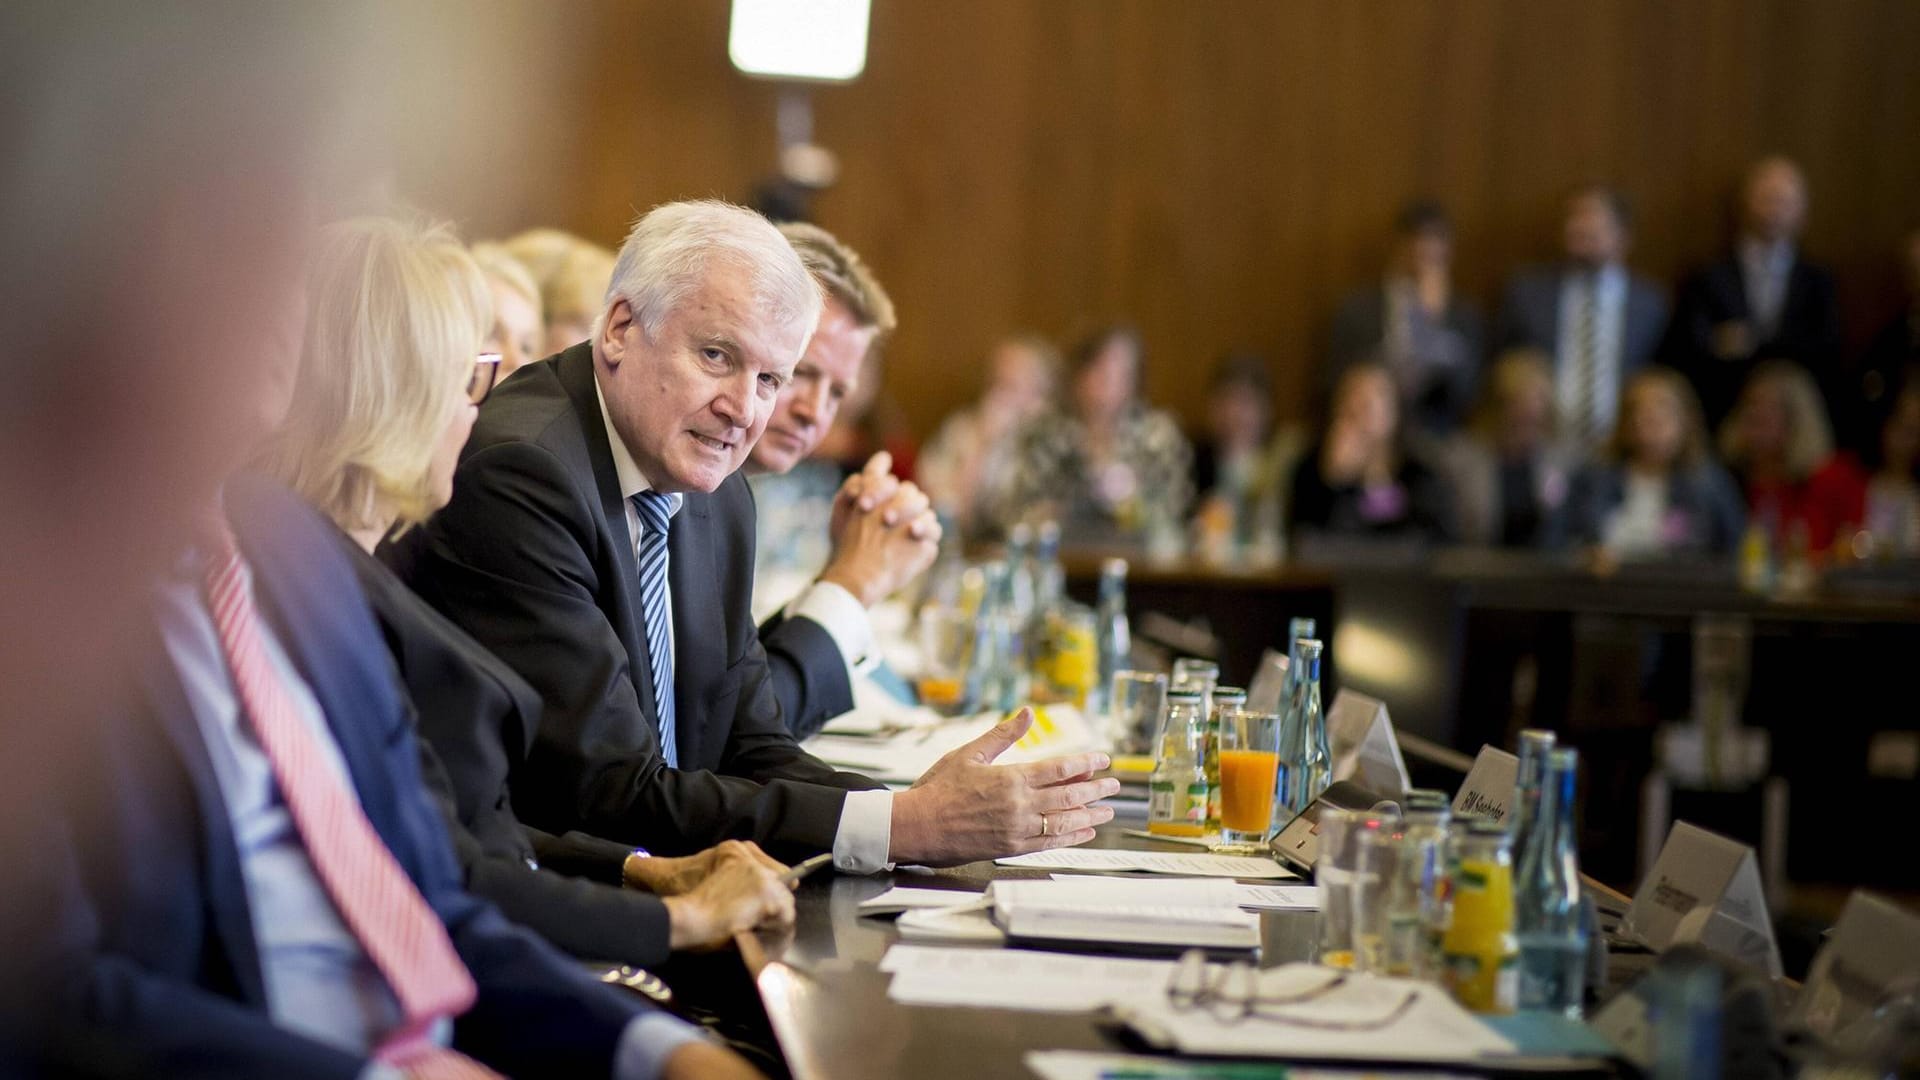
(1249, 765)
(946, 648)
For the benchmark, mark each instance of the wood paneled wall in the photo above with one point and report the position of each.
(1219, 172)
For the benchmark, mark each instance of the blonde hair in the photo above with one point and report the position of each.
(1809, 435)
(666, 256)
(844, 275)
(396, 312)
(570, 273)
(1513, 371)
(499, 264)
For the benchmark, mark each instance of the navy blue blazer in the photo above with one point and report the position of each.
(150, 967)
(1530, 316)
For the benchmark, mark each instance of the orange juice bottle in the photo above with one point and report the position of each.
(1480, 958)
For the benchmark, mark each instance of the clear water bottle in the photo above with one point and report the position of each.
(1527, 778)
(1049, 576)
(1178, 793)
(1020, 586)
(999, 675)
(1547, 921)
(1308, 761)
(1113, 641)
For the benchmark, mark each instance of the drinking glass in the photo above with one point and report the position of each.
(1333, 880)
(1139, 702)
(1249, 767)
(1375, 869)
(946, 646)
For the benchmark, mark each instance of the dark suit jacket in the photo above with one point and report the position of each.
(533, 558)
(1359, 330)
(810, 678)
(476, 720)
(151, 968)
(1704, 498)
(1530, 316)
(1809, 330)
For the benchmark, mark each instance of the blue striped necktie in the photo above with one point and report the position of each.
(654, 510)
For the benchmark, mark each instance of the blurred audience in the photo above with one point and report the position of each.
(1658, 492)
(1359, 479)
(1237, 473)
(1511, 473)
(1416, 323)
(1105, 465)
(968, 464)
(1759, 300)
(572, 274)
(1889, 365)
(519, 331)
(1599, 321)
(1779, 446)
(1893, 494)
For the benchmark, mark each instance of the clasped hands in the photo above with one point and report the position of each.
(884, 533)
(717, 893)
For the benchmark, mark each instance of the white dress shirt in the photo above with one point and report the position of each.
(864, 839)
(1764, 269)
(319, 980)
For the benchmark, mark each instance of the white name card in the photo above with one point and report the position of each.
(1364, 748)
(1269, 683)
(1487, 792)
(1705, 889)
(1875, 943)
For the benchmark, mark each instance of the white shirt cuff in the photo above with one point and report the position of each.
(648, 1041)
(837, 612)
(865, 837)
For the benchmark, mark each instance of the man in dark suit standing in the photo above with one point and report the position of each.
(1598, 320)
(1416, 324)
(883, 531)
(601, 542)
(1759, 300)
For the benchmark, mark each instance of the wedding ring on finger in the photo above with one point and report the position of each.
(1043, 825)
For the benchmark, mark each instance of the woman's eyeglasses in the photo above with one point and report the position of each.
(1231, 994)
(486, 368)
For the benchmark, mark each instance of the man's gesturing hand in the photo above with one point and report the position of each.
(967, 808)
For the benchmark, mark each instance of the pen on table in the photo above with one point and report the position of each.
(804, 867)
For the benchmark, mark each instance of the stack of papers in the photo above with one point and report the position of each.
(1020, 979)
(1107, 860)
(1159, 915)
(896, 743)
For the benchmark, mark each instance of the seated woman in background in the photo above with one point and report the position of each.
(1511, 473)
(967, 466)
(1658, 492)
(1893, 495)
(1107, 466)
(519, 331)
(384, 399)
(1359, 480)
(1236, 467)
(572, 274)
(1779, 445)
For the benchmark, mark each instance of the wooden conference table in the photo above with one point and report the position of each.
(827, 999)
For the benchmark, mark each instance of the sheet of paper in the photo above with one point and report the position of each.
(1088, 1065)
(903, 898)
(1487, 792)
(1182, 901)
(1021, 979)
(902, 752)
(1189, 841)
(1153, 862)
(1373, 1019)
(969, 924)
(1269, 682)
(1278, 897)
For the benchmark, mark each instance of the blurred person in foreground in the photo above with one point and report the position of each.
(882, 531)
(1779, 446)
(1359, 479)
(1416, 323)
(519, 332)
(1511, 473)
(386, 394)
(254, 880)
(1761, 299)
(1893, 493)
(572, 275)
(1236, 467)
(1658, 492)
(1106, 465)
(600, 541)
(966, 467)
(1598, 320)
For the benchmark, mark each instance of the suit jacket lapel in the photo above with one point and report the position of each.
(226, 887)
(699, 625)
(574, 367)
